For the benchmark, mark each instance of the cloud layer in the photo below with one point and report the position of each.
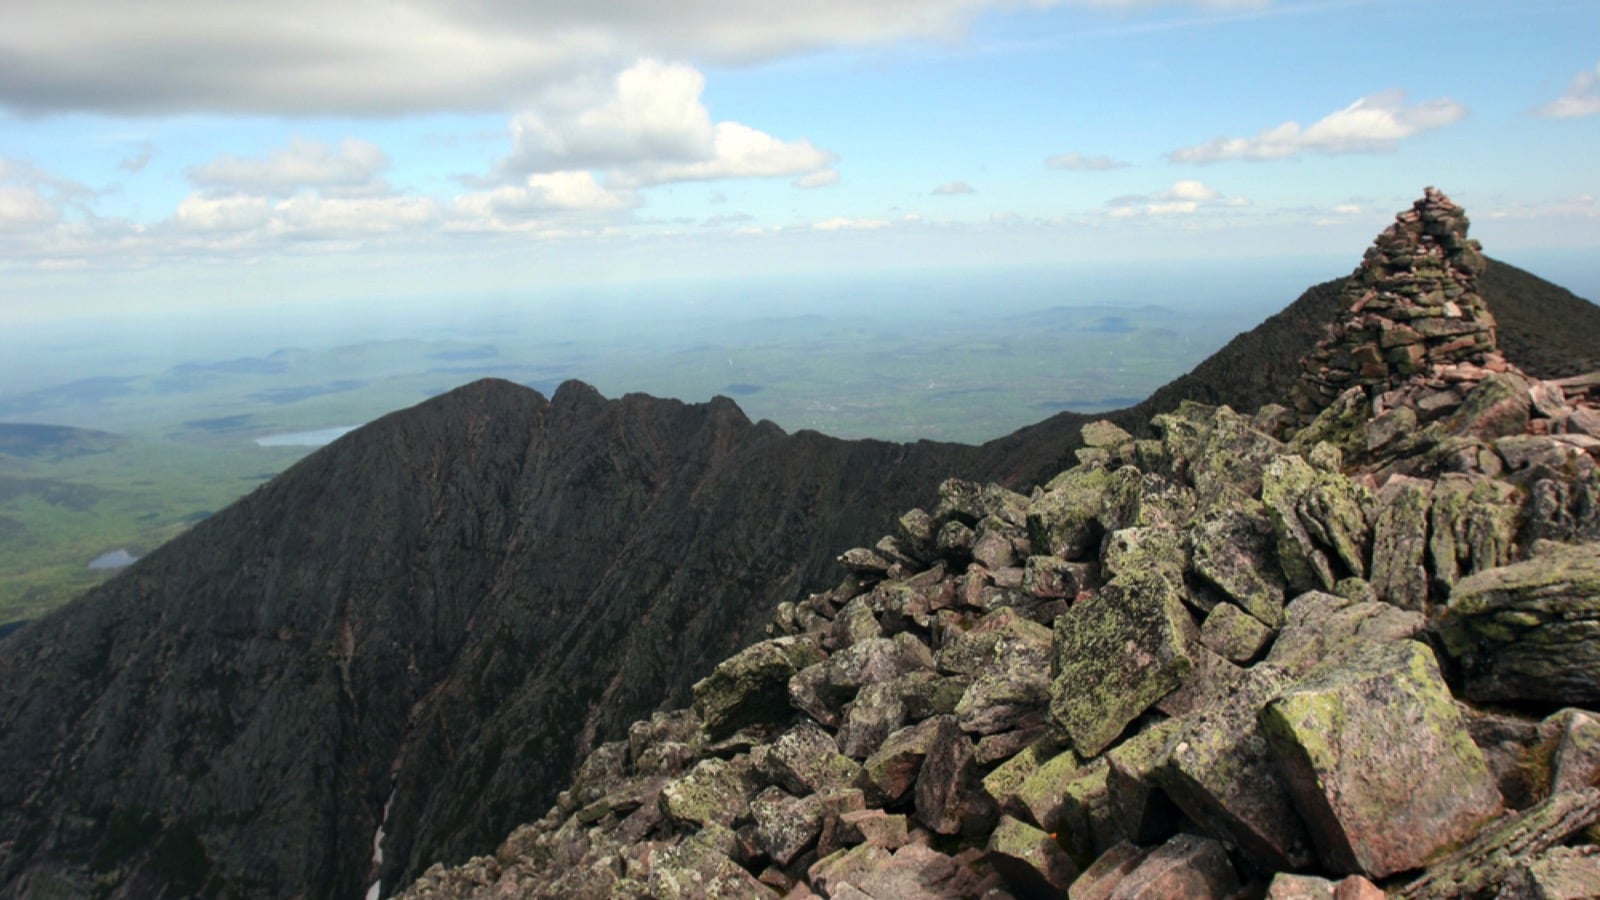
(395, 56)
(1373, 124)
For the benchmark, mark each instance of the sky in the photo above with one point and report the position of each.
(177, 154)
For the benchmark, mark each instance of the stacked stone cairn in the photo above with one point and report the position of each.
(1235, 660)
(1411, 306)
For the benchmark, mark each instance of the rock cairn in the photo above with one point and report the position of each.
(1412, 306)
(1351, 660)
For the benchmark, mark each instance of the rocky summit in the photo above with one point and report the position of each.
(1342, 649)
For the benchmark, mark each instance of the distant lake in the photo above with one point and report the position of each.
(306, 438)
(114, 559)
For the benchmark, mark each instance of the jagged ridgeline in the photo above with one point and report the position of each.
(1347, 649)
(400, 650)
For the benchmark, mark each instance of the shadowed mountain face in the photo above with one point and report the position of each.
(424, 624)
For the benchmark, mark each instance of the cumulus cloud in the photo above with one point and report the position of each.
(1373, 124)
(354, 167)
(1183, 198)
(1078, 162)
(1582, 97)
(953, 188)
(648, 127)
(543, 194)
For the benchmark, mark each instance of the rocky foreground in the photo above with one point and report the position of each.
(1336, 650)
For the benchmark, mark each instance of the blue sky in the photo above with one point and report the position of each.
(179, 152)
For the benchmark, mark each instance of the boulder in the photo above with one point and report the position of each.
(1472, 527)
(1031, 862)
(714, 791)
(949, 794)
(1222, 774)
(1320, 521)
(1064, 521)
(785, 825)
(753, 685)
(1116, 654)
(698, 869)
(1319, 627)
(892, 769)
(1234, 634)
(1233, 551)
(806, 760)
(1530, 630)
(1564, 873)
(1400, 543)
(1378, 760)
(1187, 865)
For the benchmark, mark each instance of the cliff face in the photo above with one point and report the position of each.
(425, 626)
(419, 627)
(1249, 657)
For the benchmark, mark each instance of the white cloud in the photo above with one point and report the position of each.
(1578, 206)
(543, 194)
(1582, 97)
(1182, 199)
(844, 224)
(1077, 162)
(823, 178)
(953, 188)
(222, 214)
(23, 204)
(1373, 124)
(312, 217)
(647, 127)
(351, 168)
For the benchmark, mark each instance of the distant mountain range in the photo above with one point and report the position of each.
(410, 637)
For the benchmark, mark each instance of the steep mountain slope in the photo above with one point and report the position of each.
(422, 626)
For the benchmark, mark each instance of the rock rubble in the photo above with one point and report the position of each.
(1238, 659)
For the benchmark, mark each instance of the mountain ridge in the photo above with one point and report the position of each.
(416, 649)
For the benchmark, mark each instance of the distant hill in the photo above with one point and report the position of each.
(423, 625)
(27, 441)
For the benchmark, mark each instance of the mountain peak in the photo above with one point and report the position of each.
(1411, 307)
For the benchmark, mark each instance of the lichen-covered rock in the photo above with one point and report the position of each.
(1116, 654)
(752, 685)
(1400, 543)
(1064, 521)
(785, 825)
(822, 689)
(1530, 630)
(1564, 873)
(806, 760)
(1320, 627)
(1320, 519)
(714, 791)
(1187, 865)
(893, 768)
(1030, 861)
(1222, 774)
(1378, 760)
(1233, 551)
(1472, 527)
(1234, 634)
(1140, 809)
(949, 793)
